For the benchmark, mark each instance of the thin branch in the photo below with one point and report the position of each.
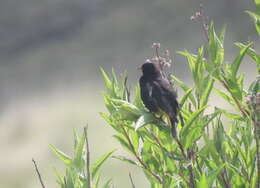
(156, 140)
(127, 89)
(204, 21)
(131, 180)
(257, 130)
(87, 158)
(38, 173)
(201, 17)
(138, 157)
(190, 167)
(191, 173)
(181, 148)
(224, 174)
(240, 107)
(196, 159)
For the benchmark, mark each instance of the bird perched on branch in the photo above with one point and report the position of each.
(157, 93)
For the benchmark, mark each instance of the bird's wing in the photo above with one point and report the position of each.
(165, 96)
(146, 88)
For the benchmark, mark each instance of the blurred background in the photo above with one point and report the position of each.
(50, 54)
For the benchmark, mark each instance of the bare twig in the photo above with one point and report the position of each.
(38, 173)
(131, 180)
(87, 157)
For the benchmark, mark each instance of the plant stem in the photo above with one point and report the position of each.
(138, 157)
(240, 107)
(190, 167)
(192, 182)
(181, 148)
(38, 173)
(257, 130)
(87, 158)
(131, 180)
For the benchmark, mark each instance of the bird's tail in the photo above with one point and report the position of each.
(173, 121)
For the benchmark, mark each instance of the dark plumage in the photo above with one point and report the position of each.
(157, 93)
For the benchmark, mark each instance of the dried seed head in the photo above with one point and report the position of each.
(147, 61)
(249, 99)
(192, 18)
(197, 14)
(167, 53)
(156, 45)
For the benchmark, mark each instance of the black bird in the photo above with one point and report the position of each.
(157, 93)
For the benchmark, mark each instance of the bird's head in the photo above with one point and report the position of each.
(150, 69)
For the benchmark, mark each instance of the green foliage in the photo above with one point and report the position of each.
(76, 167)
(256, 16)
(205, 154)
(208, 152)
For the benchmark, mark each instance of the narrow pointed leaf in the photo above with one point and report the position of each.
(64, 157)
(144, 119)
(95, 167)
(236, 63)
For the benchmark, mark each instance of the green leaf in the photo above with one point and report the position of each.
(257, 3)
(256, 18)
(236, 63)
(124, 159)
(234, 88)
(203, 182)
(185, 88)
(208, 85)
(123, 142)
(254, 88)
(251, 52)
(219, 136)
(185, 96)
(64, 157)
(222, 34)
(233, 116)
(76, 138)
(191, 120)
(110, 121)
(224, 96)
(134, 139)
(79, 154)
(193, 135)
(192, 62)
(60, 180)
(95, 167)
(126, 107)
(191, 59)
(144, 119)
(106, 79)
(213, 174)
(108, 184)
(96, 182)
(215, 49)
(211, 117)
